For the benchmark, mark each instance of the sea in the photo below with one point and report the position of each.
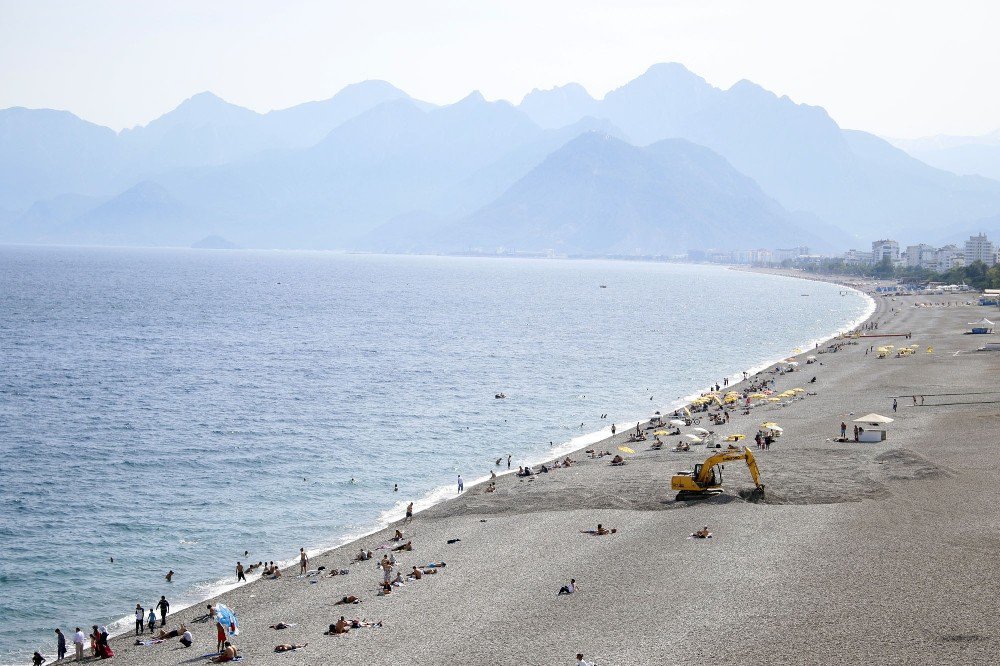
(172, 409)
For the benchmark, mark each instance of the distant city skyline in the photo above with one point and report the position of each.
(899, 69)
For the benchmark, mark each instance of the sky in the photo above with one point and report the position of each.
(897, 68)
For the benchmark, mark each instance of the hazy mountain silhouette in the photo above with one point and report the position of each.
(796, 152)
(969, 155)
(600, 195)
(371, 163)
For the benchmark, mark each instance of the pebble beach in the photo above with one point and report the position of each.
(881, 552)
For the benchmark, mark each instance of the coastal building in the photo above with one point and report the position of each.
(949, 257)
(857, 258)
(979, 248)
(885, 248)
(921, 256)
(792, 253)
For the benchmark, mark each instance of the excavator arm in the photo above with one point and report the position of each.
(730, 455)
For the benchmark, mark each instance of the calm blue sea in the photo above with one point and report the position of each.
(175, 408)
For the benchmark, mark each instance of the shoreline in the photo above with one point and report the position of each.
(496, 599)
(435, 499)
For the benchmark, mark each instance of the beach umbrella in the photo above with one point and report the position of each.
(660, 432)
(676, 422)
(227, 618)
(735, 438)
(625, 449)
(769, 424)
(874, 419)
(774, 399)
(694, 438)
(700, 431)
(810, 358)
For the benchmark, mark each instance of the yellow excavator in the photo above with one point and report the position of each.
(705, 479)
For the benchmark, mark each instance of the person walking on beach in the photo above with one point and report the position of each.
(60, 645)
(461, 484)
(893, 405)
(303, 561)
(508, 461)
(140, 615)
(409, 512)
(151, 620)
(240, 575)
(78, 640)
(612, 429)
(164, 606)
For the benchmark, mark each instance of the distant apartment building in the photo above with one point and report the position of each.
(979, 248)
(782, 254)
(857, 258)
(885, 248)
(948, 257)
(921, 256)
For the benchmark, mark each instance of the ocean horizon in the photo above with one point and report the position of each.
(174, 409)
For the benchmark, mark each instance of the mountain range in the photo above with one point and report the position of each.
(662, 164)
(970, 155)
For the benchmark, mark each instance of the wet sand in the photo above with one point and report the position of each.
(882, 552)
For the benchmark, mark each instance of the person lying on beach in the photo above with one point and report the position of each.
(617, 461)
(703, 533)
(173, 633)
(363, 555)
(435, 565)
(568, 589)
(600, 531)
(288, 647)
(228, 654)
(360, 624)
(350, 599)
(406, 546)
(281, 625)
(398, 536)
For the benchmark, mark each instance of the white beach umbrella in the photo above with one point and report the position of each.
(694, 438)
(700, 431)
(676, 422)
(874, 419)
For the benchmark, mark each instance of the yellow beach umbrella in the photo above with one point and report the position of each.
(660, 432)
(735, 438)
(774, 399)
(625, 449)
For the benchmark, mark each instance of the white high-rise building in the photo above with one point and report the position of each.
(948, 257)
(979, 248)
(921, 256)
(885, 248)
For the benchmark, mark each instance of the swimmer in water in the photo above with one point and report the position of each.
(170, 575)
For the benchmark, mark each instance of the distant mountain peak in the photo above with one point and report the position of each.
(474, 97)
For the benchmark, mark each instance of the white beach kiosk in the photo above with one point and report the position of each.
(875, 432)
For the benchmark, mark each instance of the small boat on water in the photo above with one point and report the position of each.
(604, 286)
(500, 396)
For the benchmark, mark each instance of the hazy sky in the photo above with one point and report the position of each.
(898, 68)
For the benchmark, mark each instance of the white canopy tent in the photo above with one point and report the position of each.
(876, 427)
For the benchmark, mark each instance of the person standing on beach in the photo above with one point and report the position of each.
(240, 575)
(894, 405)
(78, 640)
(508, 461)
(303, 561)
(140, 615)
(612, 429)
(164, 606)
(60, 645)
(843, 430)
(409, 512)
(461, 484)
